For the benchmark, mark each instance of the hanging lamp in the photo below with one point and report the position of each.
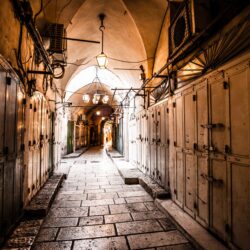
(102, 59)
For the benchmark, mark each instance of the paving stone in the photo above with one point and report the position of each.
(112, 243)
(148, 215)
(60, 222)
(88, 203)
(131, 194)
(74, 233)
(177, 247)
(102, 196)
(71, 197)
(91, 187)
(25, 231)
(119, 200)
(117, 218)
(47, 234)
(139, 199)
(92, 220)
(70, 192)
(64, 245)
(127, 208)
(156, 239)
(94, 191)
(69, 212)
(99, 210)
(67, 204)
(150, 206)
(136, 227)
(167, 224)
(20, 242)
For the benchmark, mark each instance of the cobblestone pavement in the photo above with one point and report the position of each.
(95, 210)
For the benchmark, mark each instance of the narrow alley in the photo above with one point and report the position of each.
(94, 209)
(124, 124)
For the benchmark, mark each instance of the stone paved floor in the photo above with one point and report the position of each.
(95, 210)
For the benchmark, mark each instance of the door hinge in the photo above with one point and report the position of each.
(226, 85)
(194, 98)
(6, 150)
(195, 205)
(8, 80)
(227, 229)
(227, 149)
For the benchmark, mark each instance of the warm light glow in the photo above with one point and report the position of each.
(95, 101)
(102, 60)
(98, 112)
(105, 99)
(85, 98)
(97, 96)
(103, 118)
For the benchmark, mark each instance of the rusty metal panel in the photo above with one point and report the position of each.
(152, 142)
(8, 195)
(218, 195)
(178, 150)
(30, 124)
(1, 195)
(190, 183)
(10, 118)
(218, 119)
(240, 200)
(240, 112)
(2, 109)
(189, 119)
(179, 185)
(138, 141)
(202, 190)
(166, 182)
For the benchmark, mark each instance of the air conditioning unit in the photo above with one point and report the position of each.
(188, 18)
(57, 42)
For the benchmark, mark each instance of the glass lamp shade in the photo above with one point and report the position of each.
(85, 98)
(95, 101)
(102, 60)
(105, 99)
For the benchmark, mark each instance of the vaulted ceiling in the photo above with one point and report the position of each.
(132, 29)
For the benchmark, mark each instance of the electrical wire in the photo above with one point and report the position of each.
(62, 9)
(124, 61)
(39, 12)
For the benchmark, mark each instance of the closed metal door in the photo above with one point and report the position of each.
(166, 182)
(152, 142)
(219, 139)
(11, 139)
(189, 157)
(238, 156)
(178, 150)
(201, 152)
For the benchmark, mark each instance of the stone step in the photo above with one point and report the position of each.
(40, 204)
(132, 176)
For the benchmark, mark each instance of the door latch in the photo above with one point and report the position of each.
(213, 125)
